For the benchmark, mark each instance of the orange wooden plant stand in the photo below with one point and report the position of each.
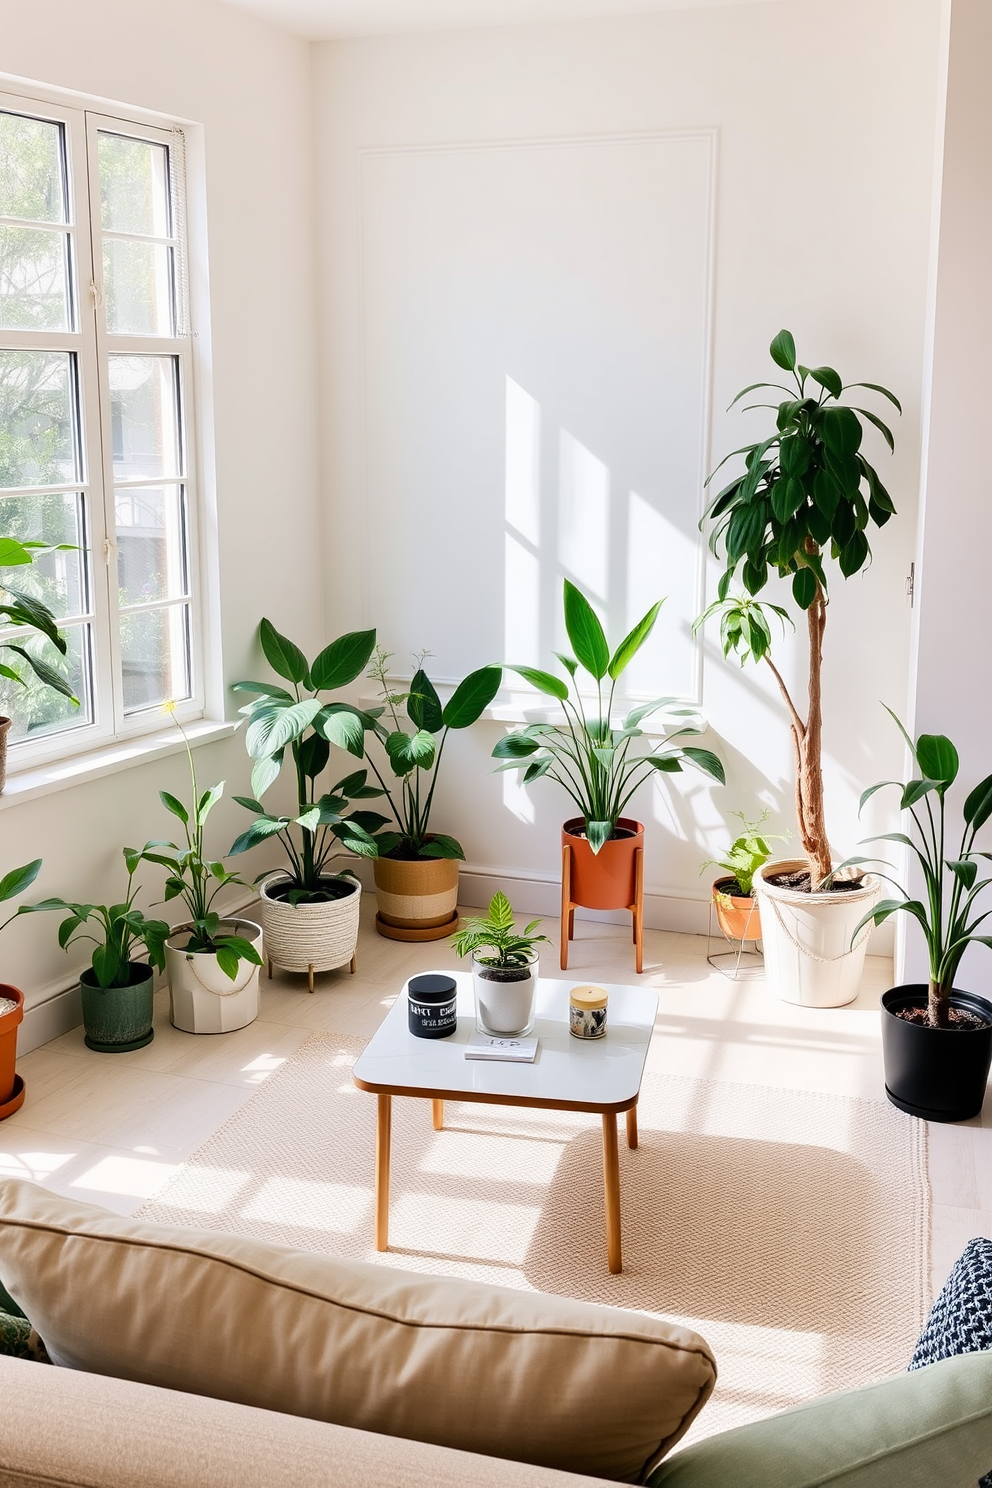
(569, 906)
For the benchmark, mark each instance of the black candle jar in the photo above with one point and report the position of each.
(431, 1000)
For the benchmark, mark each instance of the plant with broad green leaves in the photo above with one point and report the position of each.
(301, 722)
(588, 755)
(747, 853)
(806, 492)
(115, 930)
(509, 947)
(194, 878)
(24, 612)
(413, 749)
(948, 918)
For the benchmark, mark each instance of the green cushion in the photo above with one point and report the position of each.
(928, 1429)
(19, 1340)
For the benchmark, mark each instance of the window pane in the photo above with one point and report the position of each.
(33, 279)
(31, 178)
(37, 443)
(145, 416)
(137, 282)
(34, 708)
(57, 579)
(151, 544)
(134, 185)
(155, 657)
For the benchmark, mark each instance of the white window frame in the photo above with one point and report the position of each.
(92, 344)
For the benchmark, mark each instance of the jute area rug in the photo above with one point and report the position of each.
(790, 1229)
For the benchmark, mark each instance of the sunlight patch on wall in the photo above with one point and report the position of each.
(584, 518)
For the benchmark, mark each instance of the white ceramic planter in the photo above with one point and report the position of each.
(203, 998)
(504, 1004)
(310, 937)
(807, 938)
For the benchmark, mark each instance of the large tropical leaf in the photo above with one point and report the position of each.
(283, 656)
(344, 727)
(275, 729)
(471, 697)
(783, 352)
(585, 632)
(938, 758)
(19, 879)
(342, 661)
(978, 806)
(707, 761)
(423, 705)
(545, 682)
(632, 643)
(409, 752)
(259, 831)
(264, 773)
(442, 846)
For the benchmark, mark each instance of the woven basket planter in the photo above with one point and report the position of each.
(310, 937)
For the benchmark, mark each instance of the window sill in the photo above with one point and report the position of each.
(44, 780)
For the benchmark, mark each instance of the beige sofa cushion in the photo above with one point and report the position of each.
(484, 1369)
(65, 1429)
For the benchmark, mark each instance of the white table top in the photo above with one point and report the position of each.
(569, 1073)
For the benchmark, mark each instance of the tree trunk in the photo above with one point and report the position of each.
(937, 1005)
(809, 774)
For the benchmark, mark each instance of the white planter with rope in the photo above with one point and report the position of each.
(310, 937)
(809, 957)
(204, 999)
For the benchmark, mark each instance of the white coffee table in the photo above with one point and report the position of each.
(602, 1076)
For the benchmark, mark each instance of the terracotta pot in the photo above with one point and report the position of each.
(416, 897)
(603, 880)
(737, 914)
(11, 1084)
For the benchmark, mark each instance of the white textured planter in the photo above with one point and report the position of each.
(310, 937)
(204, 999)
(807, 938)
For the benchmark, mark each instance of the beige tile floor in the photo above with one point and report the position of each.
(112, 1129)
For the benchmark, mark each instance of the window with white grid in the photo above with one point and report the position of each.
(96, 437)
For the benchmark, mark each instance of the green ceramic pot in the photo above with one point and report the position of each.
(118, 1018)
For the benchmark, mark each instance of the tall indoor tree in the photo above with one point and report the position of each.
(806, 494)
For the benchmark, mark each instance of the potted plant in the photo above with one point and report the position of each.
(12, 1001)
(937, 1038)
(117, 990)
(504, 969)
(416, 871)
(733, 895)
(806, 493)
(309, 913)
(600, 765)
(210, 990)
(22, 611)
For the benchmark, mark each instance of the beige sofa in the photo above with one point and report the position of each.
(194, 1358)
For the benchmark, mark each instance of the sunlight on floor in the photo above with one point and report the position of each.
(126, 1175)
(338, 1208)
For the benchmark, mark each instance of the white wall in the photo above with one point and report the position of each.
(248, 85)
(825, 124)
(952, 694)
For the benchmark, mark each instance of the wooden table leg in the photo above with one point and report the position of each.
(438, 1114)
(611, 1182)
(383, 1132)
(566, 899)
(638, 910)
(632, 1127)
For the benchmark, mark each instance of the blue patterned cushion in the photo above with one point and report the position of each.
(960, 1320)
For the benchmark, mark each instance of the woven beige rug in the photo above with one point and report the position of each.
(790, 1229)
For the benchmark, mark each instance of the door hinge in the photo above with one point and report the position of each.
(911, 585)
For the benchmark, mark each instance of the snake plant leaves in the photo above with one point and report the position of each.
(471, 697)
(284, 657)
(978, 806)
(342, 661)
(938, 758)
(585, 632)
(423, 704)
(543, 681)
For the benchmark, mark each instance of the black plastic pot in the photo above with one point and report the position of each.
(938, 1074)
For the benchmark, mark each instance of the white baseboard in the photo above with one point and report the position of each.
(56, 1008)
(540, 894)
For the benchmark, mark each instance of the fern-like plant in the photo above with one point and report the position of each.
(509, 947)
